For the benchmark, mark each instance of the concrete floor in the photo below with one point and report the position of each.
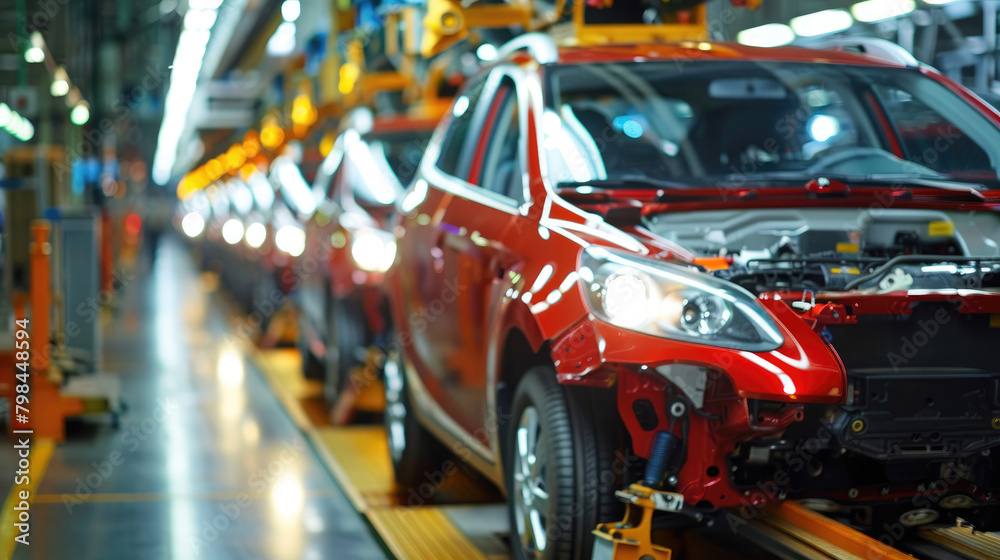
(209, 465)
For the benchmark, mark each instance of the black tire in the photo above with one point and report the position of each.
(345, 339)
(312, 367)
(413, 450)
(577, 438)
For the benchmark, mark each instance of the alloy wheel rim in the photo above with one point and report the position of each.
(530, 492)
(395, 410)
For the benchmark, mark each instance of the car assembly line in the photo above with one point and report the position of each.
(591, 280)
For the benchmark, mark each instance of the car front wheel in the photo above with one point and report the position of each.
(345, 340)
(561, 468)
(413, 450)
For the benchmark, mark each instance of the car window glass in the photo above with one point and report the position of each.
(769, 122)
(453, 159)
(501, 170)
(929, 138)
(401, 153)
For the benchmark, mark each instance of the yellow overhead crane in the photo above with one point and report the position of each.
(446, 22)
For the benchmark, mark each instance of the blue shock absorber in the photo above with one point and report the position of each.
(665, 447)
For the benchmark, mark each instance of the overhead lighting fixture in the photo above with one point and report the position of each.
(36, 52)
(186, 66)
(192, 224)
(871, 11)
(80, 114)
(291, 240)
(25, 132)
(290, 10)
(486, 52)
(769, 35)
(232, 231)
(938, 2)
(256, 234)
(18, 126)
(34, 55)
(60, 83)
(199, 19)
(204, 4)
(821, 23)
(349, 74)
(282, 43)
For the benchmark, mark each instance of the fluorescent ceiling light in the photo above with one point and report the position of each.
(59, 88)
(60, 83)
(199, 19)
(486, 52)
(256, 234)
(26, 131)
(769, 35)
(282, 43)
(295, 186)
(232, 231)
(36, 52)
(871, 11)
(34, 55)
(80, 114)
(821, 23)
(290, 10)
(183, 82)
(192, 224)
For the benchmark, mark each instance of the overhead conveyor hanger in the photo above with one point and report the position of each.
(447, 22)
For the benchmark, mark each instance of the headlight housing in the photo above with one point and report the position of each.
(291, 239)
(672, 301)
(373, 250)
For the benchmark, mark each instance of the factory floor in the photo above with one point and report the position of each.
(206, 463)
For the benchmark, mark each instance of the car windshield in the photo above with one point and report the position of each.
(401, 150)
(375, 168)
(753, 122)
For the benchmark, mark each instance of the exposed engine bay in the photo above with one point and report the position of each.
(922, 406)
(835, 249)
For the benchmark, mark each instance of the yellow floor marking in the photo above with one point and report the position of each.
(282, 368)
(281, 371)
(423, 533)
(41, 454)
(359, 459)
(162, 497)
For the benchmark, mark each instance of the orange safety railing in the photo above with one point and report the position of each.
(48, 408)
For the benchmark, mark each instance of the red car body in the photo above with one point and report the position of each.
(488, 285)
(341, 297)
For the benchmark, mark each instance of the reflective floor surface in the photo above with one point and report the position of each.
(205, 464)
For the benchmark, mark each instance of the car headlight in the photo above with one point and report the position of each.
(674, 302)
(256, 234)
(232, 231)
(373, 249)
(291, 240)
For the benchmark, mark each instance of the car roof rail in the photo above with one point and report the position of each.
(540, 46)
(872, 47)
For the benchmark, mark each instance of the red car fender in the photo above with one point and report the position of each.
(515, 315)
(803, 369)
